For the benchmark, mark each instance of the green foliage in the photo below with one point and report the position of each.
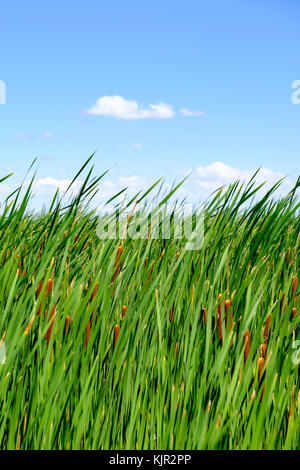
(169, 382)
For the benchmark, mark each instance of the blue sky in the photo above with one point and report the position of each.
(230, 62)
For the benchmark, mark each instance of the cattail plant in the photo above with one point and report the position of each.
(87, 334)
(48, 289)
(294, 285)
(204, 315)
(124, 310)
(39, 288)
(116, 334)
(67, 321)
(294, 312)
(247, 345)
(49, 331)
(165, 383)
(171, 313)
(282, 303)
(263, 351)
(228, 306)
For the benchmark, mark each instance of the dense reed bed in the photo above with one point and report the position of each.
(141, 344)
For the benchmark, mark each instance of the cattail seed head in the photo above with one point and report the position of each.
(124, 310)
(261, 364)
(228, 306)
(294, 285)
(49, 287)
(87, 334)
(94, 293)
(204, 313)
(263, 351)
(282, 303)
(116, 334)
(247, 345)
(48, 334)
(66, 325)
(118, 255)
(39, 288)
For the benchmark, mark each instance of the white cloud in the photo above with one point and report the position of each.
(44, 135)
(219, 172)
(47, 135)
(189, 112)
(137, 146)
(48, 182)
(132, 182)
(206, 179)
(119, 107)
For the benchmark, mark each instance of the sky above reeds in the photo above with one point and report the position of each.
(158, 88)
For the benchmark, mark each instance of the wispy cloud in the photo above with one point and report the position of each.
(189, 112)
(43, 135)
(206, 179)
(121, 108)
(137, 146)
(48, 182)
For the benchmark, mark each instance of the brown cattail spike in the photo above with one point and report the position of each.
(204, 313)
(116, 334)
(38, 291)
(48, 334)
(66, 325)
(118, 255)
(294, 285)
(247, 345)
(261, 364)
(124, 310)
(94, 293)
(294, 312)
(282, 303)
(49, 288)
(87, 334)
(263, 351)
(228, 306)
